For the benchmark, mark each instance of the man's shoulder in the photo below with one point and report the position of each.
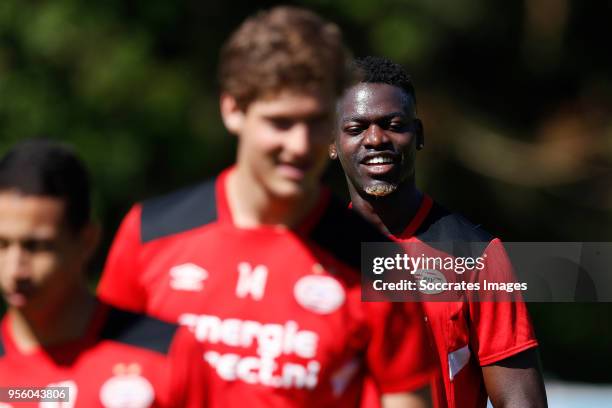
(138, 330)
(441, 225)
(179, 211)
(340, 231)
(449, 231)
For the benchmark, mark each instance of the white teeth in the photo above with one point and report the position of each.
(379, 160)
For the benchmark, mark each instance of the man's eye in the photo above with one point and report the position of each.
(353, 130)
(4, 243)
(282, 123)
(396, 126)
(38, 245)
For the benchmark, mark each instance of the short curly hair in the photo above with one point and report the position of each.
(283, 48)
(381, 70)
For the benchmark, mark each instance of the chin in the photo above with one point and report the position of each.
(380, 189)
(288, 190)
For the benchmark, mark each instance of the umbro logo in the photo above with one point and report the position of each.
(189, 277)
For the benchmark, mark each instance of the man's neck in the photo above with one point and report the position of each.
(251, 205)
(56, 324)
(391, 213)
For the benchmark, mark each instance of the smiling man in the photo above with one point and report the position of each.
(261, 262)
(484, 348)
(55, 332)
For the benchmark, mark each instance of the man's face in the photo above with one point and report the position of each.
(376, 139)
(40, 257)
(283, 141)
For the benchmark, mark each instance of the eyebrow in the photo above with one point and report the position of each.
(362, 118)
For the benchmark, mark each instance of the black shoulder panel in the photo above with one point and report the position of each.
(179, 211)
(440, 225)
(2, 352)
(341, 232)
(138, 330)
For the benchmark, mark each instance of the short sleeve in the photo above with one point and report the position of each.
(499, 329)
(399, 355)
(119, 285)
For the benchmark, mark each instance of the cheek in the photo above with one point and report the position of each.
(409, 158)
(44, 267)
(258, 132)
(347, 153)
(261, 142)
(408, 144)
(56, 269)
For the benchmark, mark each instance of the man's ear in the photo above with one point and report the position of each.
(232, 115)
(420, 133)
(333, 153)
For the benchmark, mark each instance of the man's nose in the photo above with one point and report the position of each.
(298, 142)
(375, 136)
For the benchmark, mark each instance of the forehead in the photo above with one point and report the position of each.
(293, 103)
(23, 215)
(373, 99)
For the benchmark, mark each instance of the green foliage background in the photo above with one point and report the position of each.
(515, 97)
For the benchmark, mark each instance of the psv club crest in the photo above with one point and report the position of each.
(318, 293)
(127, 388)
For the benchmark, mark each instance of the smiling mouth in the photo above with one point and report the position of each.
(377, 160)
(380, 164)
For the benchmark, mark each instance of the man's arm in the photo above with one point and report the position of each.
(502, 336)
(416, 399)
(516, 382)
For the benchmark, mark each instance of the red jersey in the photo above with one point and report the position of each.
(279, 309)
(467, 334)
(124, 359)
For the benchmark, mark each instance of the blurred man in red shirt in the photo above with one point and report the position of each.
(261, 262)
(55, 332)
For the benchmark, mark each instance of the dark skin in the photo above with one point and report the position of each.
(379, 135)
(516, 381)
(378, 122)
